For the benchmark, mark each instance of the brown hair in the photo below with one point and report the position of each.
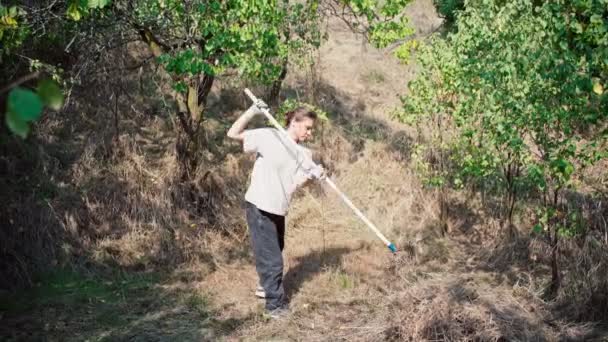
(298, 114)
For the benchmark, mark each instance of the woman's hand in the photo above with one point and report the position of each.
(318, 172)
(258, 107)
(238, 127)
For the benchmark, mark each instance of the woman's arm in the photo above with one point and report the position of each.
(237, 130)
(310, 170)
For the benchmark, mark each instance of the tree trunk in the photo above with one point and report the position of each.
(443, 212)
(191, 138)
(204, 89)
(443, 205)
(275, 89)
(555, 274)
(514, 171)
(190, 113)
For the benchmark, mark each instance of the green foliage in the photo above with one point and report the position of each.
(301, 31)
(252, 37)
(430, 176)
(98, 3)
(384, 22)
(218, 36)
(50, 94)
(17, 22)
(403, 51)
(76, 9)
(16, 125)
(523, 86)
(567, 225)
(201, 303)
(24, 105)
(291, 104)
(68, 289)
(13, 29)
(383, 34)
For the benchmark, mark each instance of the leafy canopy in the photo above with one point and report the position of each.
(523, 83)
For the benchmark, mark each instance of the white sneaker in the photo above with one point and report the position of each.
(278, 313)
(259, 292)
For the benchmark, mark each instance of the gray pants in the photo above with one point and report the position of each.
(267, 233)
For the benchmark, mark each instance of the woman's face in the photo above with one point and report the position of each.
(302, 130)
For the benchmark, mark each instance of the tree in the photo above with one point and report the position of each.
(21, 23)
(524, 85)
(199, 41)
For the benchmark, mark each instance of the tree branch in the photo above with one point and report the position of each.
(20, 81)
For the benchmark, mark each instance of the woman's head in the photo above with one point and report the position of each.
(300, 122)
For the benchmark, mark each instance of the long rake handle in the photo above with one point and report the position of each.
(345, 199)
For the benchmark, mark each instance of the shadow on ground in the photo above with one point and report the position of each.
(127, 306)
(308, 266)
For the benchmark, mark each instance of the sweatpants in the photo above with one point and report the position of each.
(267, 232)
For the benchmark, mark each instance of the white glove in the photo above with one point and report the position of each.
(261, 105)
(258, 107)
(318, 172)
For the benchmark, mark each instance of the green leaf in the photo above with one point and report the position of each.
(180, 87)
(74, 12)
(596, 19)
(98, 3)
(25, 104)
(537, 228)
(51, 94)
(577, 27)
(16, 125)
(568, 170)
(597, 87)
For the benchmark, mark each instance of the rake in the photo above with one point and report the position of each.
(329, 182)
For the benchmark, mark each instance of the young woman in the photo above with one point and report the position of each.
(280, 167)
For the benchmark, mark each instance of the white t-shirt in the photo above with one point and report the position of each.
(278, 169)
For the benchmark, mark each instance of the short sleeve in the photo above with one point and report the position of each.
(252, 140)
